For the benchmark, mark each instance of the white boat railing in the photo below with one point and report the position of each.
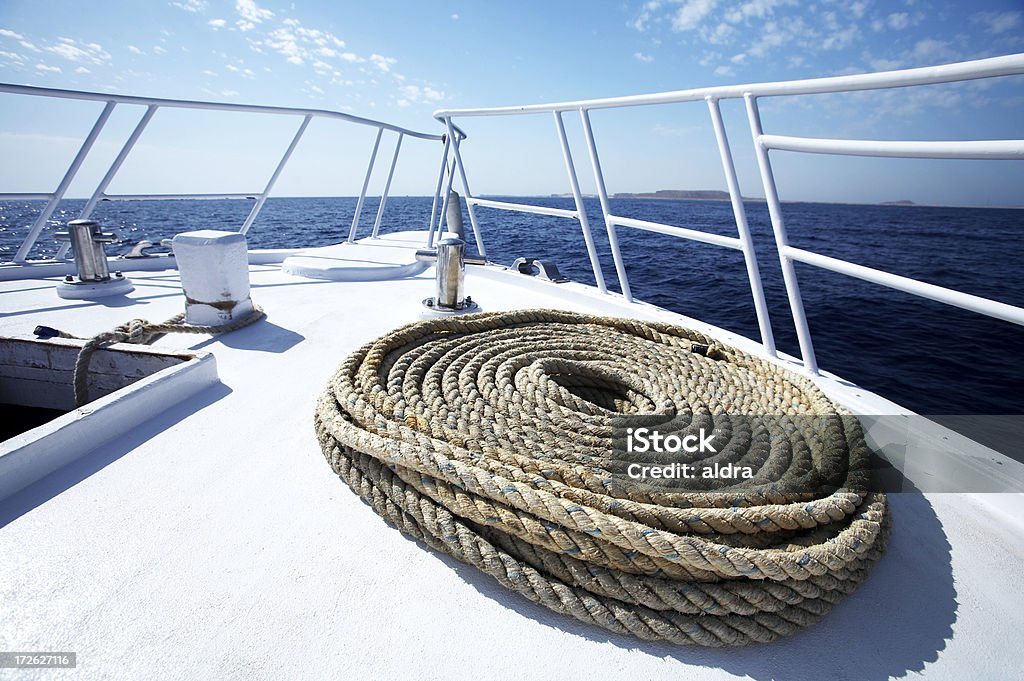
(763, 143)
(151, 105)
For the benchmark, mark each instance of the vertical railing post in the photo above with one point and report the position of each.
(465, 187)
(387, 186)
(581, 213)
(803, 331)
(747, 243)
(366, 183)
(37, 227)
(262, 198)
(442, 219)
(602, 195)
(101, 188)
(437, 192)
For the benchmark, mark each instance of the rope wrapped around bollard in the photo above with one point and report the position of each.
(499, 439)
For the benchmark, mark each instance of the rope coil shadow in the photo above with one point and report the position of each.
(497, 439)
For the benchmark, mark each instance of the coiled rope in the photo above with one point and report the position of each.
(496, 438)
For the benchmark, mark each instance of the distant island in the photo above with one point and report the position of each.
(676, 194)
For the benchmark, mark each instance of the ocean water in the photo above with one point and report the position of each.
(929, 357)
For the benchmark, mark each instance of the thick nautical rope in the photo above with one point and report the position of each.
(142, 332)
(496, 438)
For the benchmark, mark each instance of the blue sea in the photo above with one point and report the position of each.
(929, 357)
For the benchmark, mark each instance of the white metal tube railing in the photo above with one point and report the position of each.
(796, 303)
(387, 187)
(969, 149)
(577, 195)
(982, 150)
(465, 188)
(746, 242)
(1007, 65)
(69, 175)
(366, 183)
(152, 104)
(258, 206)
(602, 195)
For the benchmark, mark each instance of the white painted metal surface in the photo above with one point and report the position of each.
(30, 457)
(213, 541)
(214, 270)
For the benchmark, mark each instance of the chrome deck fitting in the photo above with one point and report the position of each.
(93, 281)
(451, 260)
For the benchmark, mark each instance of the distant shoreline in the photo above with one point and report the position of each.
(647, 196)
(716, 195)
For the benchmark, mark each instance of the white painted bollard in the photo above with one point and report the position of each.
(214, 269)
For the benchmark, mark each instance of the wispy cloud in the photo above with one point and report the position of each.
(72, 50)
(383, 63)
(416, 94)
(217, 23)
(250, 14)
(997, 22)
(645, 58)
(45, 68)
(190, 5)
(135, 50)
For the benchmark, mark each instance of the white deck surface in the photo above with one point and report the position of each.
(216, 543)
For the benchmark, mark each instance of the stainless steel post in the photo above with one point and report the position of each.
(87, 238)
(450, 258)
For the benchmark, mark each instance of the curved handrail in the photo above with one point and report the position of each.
(209, 106)
(1007, 65)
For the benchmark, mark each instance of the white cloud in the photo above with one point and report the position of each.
(413, 94)
(251, 12)
(135, 50)
(82, 69)
(11, 55)
(217, 23)
(997, 22)
(643, 20)
(158, 50)
(724, 71)
(191, 5)
(316, 89)
(229, 93)
(72, 50)
(455, 17)
(898, 20)
(691, 14)
(841, 39)
(47, 69)
(8, 33)
(645, 58)
(383, 63)
(245, 25)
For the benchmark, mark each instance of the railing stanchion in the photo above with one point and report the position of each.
(37, 227)
(262, 198)
(437, 192)
(387, 187)
(465, 186)
(366, 183)
(796, 304)
(442, 219)
(749, 256)
(101, 188)
(602, 194)
(581, 213)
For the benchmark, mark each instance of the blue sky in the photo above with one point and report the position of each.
(399, 61)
